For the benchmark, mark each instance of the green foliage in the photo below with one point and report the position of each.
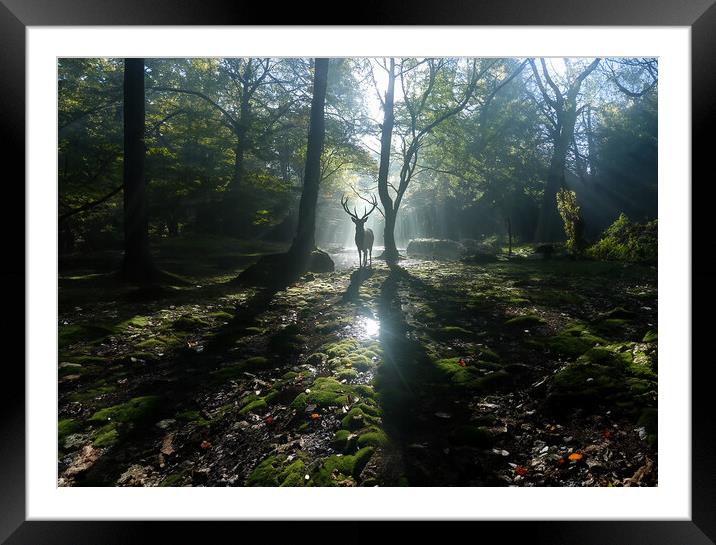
(573, 222)
(625, 240)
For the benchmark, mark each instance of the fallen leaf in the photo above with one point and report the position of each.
(269, 419)
(461, 363)
(575, 456)
(315, 416)
(205, 444)
(521, 470)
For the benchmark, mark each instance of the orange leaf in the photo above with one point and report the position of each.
(575, 456)
(269, 419)
(461, 363)
(205, 444)
(315, 416)
(521, 470)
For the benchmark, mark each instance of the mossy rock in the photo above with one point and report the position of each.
(574, 340)
(340, 439)
(471, 436)
(106, 436)
(340, 349)
(486, 354)
(253, 406)
(287, 340)
(346, 374)
(360, 362)
(83, 359)
(619, 313)
(278, 471)
(65, 427)
(192, 416)
(649, 419)
(134, 410)
(324, 392)
(71, 334)
(372, 439)
(136, 322)
(525, 320)
(221, 315)
(603, 376)
(256, 363)
(189, 323)
(357, 419)
(452, 332)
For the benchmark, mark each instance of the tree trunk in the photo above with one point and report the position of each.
(304, 242)
(509, 236)
(549, 223)
(242, 130)
(391, 251)
(138, 266)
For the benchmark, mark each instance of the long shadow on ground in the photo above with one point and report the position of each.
(418, 413)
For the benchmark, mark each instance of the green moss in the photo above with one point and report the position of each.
(340, 349)
(604, 376)
(324, 392)
(65, 427)
(650, 336)
(619, 313)
(253, 406)
(136, 409)
(364, 390)
(278, 471)
(137, 322)
(189, 323)
(174, 479)
(82, 359)
(221, 315)
(340, 439)
(256, 363)
(486, 354)
(473, 436)
(360, 362)
(525, 320)
(92, 393)
(71, 334)
(372, 439)
(357, 418)
(362, 457)
(649, 419)
(192, 416)
(574, 340)
(347, 374)
(106, 436)
(253, 330)
(452, 332)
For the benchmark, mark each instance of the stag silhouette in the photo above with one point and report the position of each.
(364, 237)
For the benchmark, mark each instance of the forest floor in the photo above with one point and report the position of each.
(521, 372)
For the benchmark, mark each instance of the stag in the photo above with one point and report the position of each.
(364, 237)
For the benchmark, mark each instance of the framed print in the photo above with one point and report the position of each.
(197, 188)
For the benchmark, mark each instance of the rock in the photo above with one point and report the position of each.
(200, 476)
(320, 262)
(136, 475)
(432, 248)
(166, 423)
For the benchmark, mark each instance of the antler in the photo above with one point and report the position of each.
(354, 214)
(344, 204)
(374, 202)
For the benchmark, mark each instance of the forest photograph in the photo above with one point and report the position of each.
(357, 271)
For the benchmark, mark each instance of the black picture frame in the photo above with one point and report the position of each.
(16, 15)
